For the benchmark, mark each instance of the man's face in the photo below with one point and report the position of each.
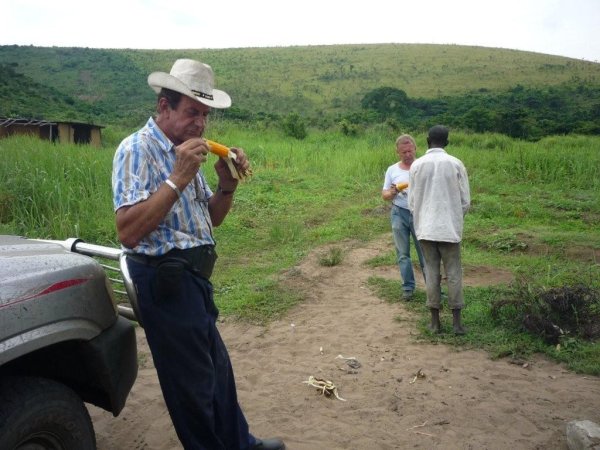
(406, 152)
(186, 121)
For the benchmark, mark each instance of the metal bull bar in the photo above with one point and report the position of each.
(119, 276)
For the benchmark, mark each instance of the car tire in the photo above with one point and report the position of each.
(38, 413)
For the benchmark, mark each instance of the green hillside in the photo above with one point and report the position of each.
(321, 83)
(22, 97)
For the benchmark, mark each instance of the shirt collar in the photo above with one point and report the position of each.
(163, 141)
(435, 150)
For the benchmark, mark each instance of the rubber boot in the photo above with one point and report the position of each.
(456, 323)
(435, 326)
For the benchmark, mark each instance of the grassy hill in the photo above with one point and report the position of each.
(23, 97)
(314, 81)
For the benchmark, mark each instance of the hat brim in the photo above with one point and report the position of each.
(159, 80)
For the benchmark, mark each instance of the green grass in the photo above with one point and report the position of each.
(499, 339)
(535, 213)
(333, 257)
(53, 191)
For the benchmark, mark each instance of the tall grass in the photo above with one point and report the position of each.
(533, 203)
(52, 191)
(569, 162)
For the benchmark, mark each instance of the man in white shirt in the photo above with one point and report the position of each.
(439, 198)
(401, 218)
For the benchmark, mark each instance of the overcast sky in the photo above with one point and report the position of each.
(557, 27)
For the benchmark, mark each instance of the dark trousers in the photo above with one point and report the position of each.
(192, 363)
(435, 254)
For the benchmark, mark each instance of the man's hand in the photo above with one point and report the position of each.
(190, 155)
(393, 190)
(226, 179)
(220, 204)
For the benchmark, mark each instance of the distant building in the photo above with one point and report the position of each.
(59, 131)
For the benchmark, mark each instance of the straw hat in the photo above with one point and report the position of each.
(191, 78)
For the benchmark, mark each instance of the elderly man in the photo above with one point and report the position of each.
(439, 198)
(165, 212)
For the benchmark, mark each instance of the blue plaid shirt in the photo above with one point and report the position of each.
(141, 165)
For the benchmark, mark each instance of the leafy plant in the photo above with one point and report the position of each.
(293, 125)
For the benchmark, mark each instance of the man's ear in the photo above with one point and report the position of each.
(163, 105)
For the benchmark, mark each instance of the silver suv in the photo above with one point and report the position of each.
(63, 341)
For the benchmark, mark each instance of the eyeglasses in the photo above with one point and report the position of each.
(200, 189)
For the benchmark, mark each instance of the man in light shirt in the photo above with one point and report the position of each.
(401, 219)
(165, 214)
(439, 198)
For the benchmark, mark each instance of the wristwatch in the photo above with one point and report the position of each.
(220, 189)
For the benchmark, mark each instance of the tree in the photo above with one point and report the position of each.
(479, 119)
(294, 126)
(386, 101)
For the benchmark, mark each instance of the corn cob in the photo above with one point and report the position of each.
(220, 150)
(225, 152)
(401, 186)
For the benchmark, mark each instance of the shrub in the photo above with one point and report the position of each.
(294, 126)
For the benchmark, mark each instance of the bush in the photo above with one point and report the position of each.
(348, 129)
(552, 314)
(294, 126)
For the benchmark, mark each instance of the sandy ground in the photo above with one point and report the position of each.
(464, 400)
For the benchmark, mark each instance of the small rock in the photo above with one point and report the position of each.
(583, 435)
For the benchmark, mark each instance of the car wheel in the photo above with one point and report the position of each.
(42, 414)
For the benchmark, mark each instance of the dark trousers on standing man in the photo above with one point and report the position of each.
(191, 360)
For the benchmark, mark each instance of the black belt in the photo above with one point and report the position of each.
(198, 260)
